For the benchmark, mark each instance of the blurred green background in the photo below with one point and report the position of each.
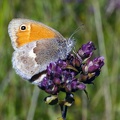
(99, 21)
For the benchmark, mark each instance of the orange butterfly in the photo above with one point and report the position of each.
(36, 45)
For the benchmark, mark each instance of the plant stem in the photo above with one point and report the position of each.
(63, 111)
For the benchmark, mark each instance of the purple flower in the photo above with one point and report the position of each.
(91, 70)
(92, 66)
(81, 86)
(48, 86)
(63, 74)
(86, 50)
(58, 78)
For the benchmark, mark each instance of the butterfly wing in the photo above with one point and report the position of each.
(24, 31)
(34, 57)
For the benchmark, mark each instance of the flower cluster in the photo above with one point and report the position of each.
(60, 78)
(71, 74)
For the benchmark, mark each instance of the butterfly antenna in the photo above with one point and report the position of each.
(71, 42)
(81, 27)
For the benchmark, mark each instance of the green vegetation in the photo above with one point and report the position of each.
(99, 22)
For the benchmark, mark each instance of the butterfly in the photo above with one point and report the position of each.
(36, 45)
